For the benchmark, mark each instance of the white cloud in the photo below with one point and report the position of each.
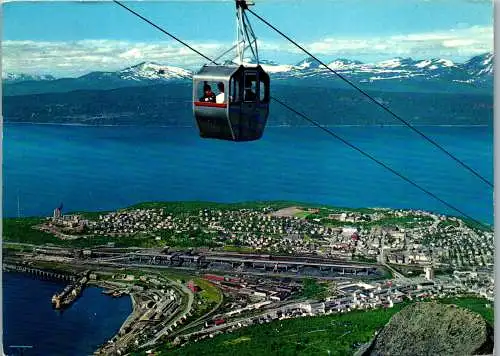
(453, 42)
(132, 53)
(80, 57)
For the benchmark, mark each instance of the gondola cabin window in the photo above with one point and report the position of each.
(263, 91)
(235, 90)
(212, 92)
(250, 92)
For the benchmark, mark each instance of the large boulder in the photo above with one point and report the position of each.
(433, 329)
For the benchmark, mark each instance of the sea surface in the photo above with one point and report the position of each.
(103, 168)
(30, 320)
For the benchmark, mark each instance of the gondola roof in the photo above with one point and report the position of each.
(216, 72)
(221, 72)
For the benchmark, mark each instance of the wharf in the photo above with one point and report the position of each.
(70, 293)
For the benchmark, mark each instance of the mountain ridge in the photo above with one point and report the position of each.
(478, 65)
(395, 74)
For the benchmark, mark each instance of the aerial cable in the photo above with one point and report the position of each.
(162, 30)
(406, 123)
(327, 130)
(416, 185)
(246, 21)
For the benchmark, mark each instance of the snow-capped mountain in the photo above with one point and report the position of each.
(142, 74)
(400, 69)
(153, 71)
(308, 64)
(145, 71)
(481, 65)
(390, 64)
(392, 74)
(20, 77)
(269, 66)
(433, 64)
(344, 64)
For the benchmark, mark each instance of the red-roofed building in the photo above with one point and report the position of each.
(213, 277)
(194, 288)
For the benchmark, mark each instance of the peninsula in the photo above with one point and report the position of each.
(198, 269)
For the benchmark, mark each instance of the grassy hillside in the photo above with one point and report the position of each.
(339, 334)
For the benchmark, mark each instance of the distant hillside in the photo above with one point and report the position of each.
(142, 74)
(395, 74)
(170, 104)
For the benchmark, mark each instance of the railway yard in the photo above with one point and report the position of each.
(238, 275)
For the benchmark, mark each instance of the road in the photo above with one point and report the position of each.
(396, 274)
(201, 319)
(176, 320)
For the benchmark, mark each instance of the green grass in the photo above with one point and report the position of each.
(21, 230)
(55, 266)
(312, 289)
(174, 274)
(403, 221)
(305, 336)
(406, 270)
(365, 259)
(410, 221)
(15, 248)
(302, 214)
(446, 223)
(209, 293)
(192, 206)
(238, 340)
(339, 333)
(243, 249)
(477, 305)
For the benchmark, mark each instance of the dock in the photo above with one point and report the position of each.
(71, 292)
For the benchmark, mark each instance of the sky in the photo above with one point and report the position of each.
(74, 38)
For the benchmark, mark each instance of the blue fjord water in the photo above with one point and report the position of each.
(29, 319)
(100, 168)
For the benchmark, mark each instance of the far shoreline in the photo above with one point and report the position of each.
(78, 124)
(238, 204)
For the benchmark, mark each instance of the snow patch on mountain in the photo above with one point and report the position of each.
(308, 63)
(478, 69)
(20, 77)
(390, 63)
(344, 64)
(153, 71)
(433, 64)
(277, 68)
(481, 65)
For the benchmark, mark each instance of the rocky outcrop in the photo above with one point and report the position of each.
(433, 329)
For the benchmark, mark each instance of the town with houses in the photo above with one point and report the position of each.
(194, 273)
(406, 237)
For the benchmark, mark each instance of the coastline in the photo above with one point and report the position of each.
(99, 284)
(77, 124)
(165, 292)
(128, 320)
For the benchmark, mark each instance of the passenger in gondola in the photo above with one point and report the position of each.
(219, 99)
(208, 94)
(249, 93)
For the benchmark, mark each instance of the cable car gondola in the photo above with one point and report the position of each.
(240, 110)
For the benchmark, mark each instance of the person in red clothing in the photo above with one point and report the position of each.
(208, 94)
